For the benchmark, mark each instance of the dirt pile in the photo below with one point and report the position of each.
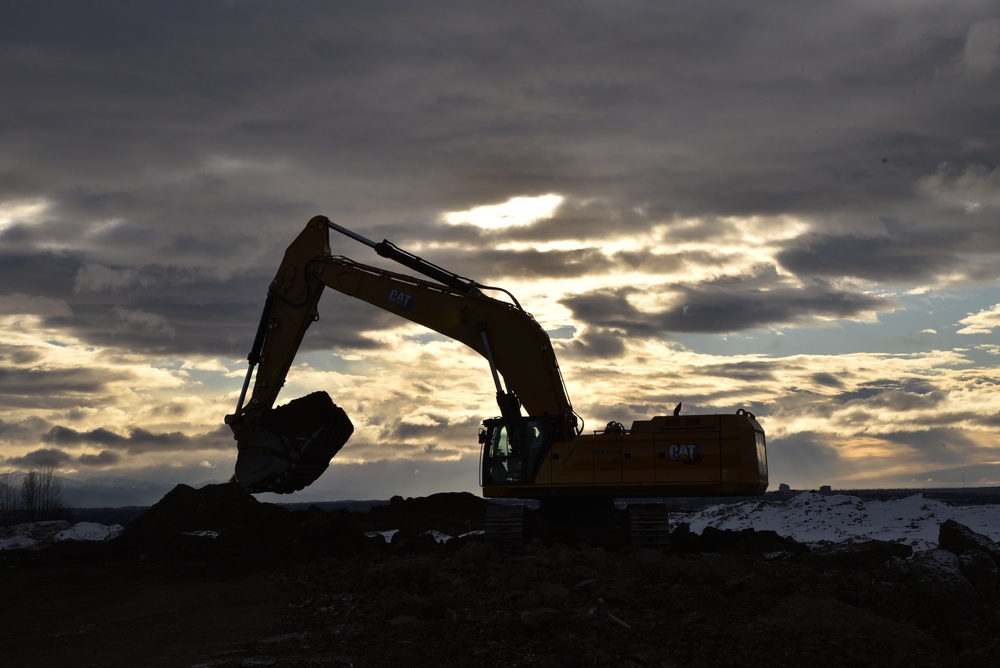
(215, 522)
(224, 524)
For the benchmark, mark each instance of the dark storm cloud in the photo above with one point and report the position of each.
(188, 143)
(940, 445)
(746, 372)
(54, 388)
(536, 264)
(37, 272)
(904, 394)
(55, 458)
(156, 309)
(898, 252)
(825, 379)
(408, 430)
(42, 458)
(722, 306)
(103, 458)
(933, 414)
(138, 440)
(486, 263)
(599, 342)
(719, 309)
(66, 436)
(21, 430)
(514, 86)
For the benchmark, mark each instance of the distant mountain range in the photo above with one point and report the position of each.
(112, 492)
(118, 492)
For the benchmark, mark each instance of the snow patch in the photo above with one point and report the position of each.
(36, 535)
(89, 531)
(438, 536)
(386, 535)
(813, 518)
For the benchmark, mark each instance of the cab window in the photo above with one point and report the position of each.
(504, 461)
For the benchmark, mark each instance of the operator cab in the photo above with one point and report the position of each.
(513, 449)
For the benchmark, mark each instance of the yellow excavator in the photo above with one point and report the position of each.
(535, 449)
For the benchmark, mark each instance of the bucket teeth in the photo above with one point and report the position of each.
(293, 445)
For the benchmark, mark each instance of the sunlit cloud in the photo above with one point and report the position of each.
(983, 322)
(22, 212)
(515, 212)
(97, 390)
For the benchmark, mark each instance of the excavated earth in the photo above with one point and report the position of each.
(212, 577)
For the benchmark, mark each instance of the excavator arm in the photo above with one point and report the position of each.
(287, 448)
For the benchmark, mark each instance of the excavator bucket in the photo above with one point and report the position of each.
(292, 445)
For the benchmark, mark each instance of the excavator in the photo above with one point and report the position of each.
(534, 450)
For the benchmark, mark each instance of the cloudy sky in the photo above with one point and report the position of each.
(791, 208)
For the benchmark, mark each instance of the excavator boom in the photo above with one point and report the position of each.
(285, 449)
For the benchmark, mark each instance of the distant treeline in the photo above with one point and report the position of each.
(36, 497)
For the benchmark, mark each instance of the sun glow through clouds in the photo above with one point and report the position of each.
(21, 211)
(515, 212)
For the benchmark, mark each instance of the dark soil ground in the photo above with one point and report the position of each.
(280, 588)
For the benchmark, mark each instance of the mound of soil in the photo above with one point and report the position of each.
(212, 577)
(218, 522)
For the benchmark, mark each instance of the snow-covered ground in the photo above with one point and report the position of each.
(39, 534)
(814, 518)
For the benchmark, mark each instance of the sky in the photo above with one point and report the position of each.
(790, 208)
